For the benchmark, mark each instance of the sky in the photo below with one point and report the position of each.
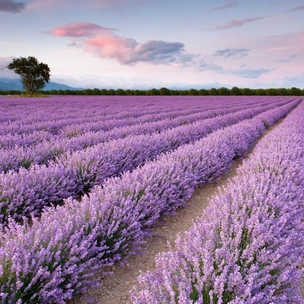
(144, 44)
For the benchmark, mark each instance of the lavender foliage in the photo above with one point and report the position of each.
(22, 152)
(248, 245)
(47, 260)
(30, 190)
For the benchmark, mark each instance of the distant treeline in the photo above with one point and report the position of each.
(166, 92)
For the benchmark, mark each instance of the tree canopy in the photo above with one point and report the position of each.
(34, 75)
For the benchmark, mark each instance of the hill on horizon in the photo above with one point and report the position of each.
(7, 84)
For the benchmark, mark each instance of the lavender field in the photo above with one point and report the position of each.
(83, 181)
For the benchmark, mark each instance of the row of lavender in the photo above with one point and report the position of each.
(28, 134)
(53, 114)
(99, 123)
(248, 245)
(47, 150)
(29, 111)
(25, 111)
(29, 191)
(69, 127)
(51, 258)
(96, 123)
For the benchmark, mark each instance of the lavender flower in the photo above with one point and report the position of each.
(47, 260)
(74, 174)
(247, 246)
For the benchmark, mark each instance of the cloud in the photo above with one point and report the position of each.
(238, 23)
(75, 44)
(11, 6)
(298, 8)
(242, 72)
(102, 42)
(234, 53)
(209, 66)
(128, 51)
(249, 73)
(228, 5)
(287, 60)
(79, 30)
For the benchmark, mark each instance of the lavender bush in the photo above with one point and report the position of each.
(80, 136)
(55, 256)
(248, 245)
(30, 190)
(53, 114)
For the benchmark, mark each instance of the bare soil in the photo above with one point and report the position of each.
(114, 289)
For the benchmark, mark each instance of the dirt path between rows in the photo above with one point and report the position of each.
(114, 289)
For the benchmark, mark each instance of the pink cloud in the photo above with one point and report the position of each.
(79, 30)
(102, 42)
(111, 47)
(237, 23)
(128, 51)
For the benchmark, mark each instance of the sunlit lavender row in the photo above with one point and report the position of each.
(54, 108)
(94, 123)
(248, 245)
(21, 116)
(28, 191)
(75, 136)
(21, 155)
(48, 260)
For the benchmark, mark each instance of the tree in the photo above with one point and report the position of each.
(120, 92)
(164, 91)
(223, 91)
(295, 91)
(96, 91)
(235, 91)
(193, 92)
(34, 75)
(260, 92)
(203, 92)
(271, 92)
(213, 91)
(153, 92)
(283, 91)
(246, 91)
